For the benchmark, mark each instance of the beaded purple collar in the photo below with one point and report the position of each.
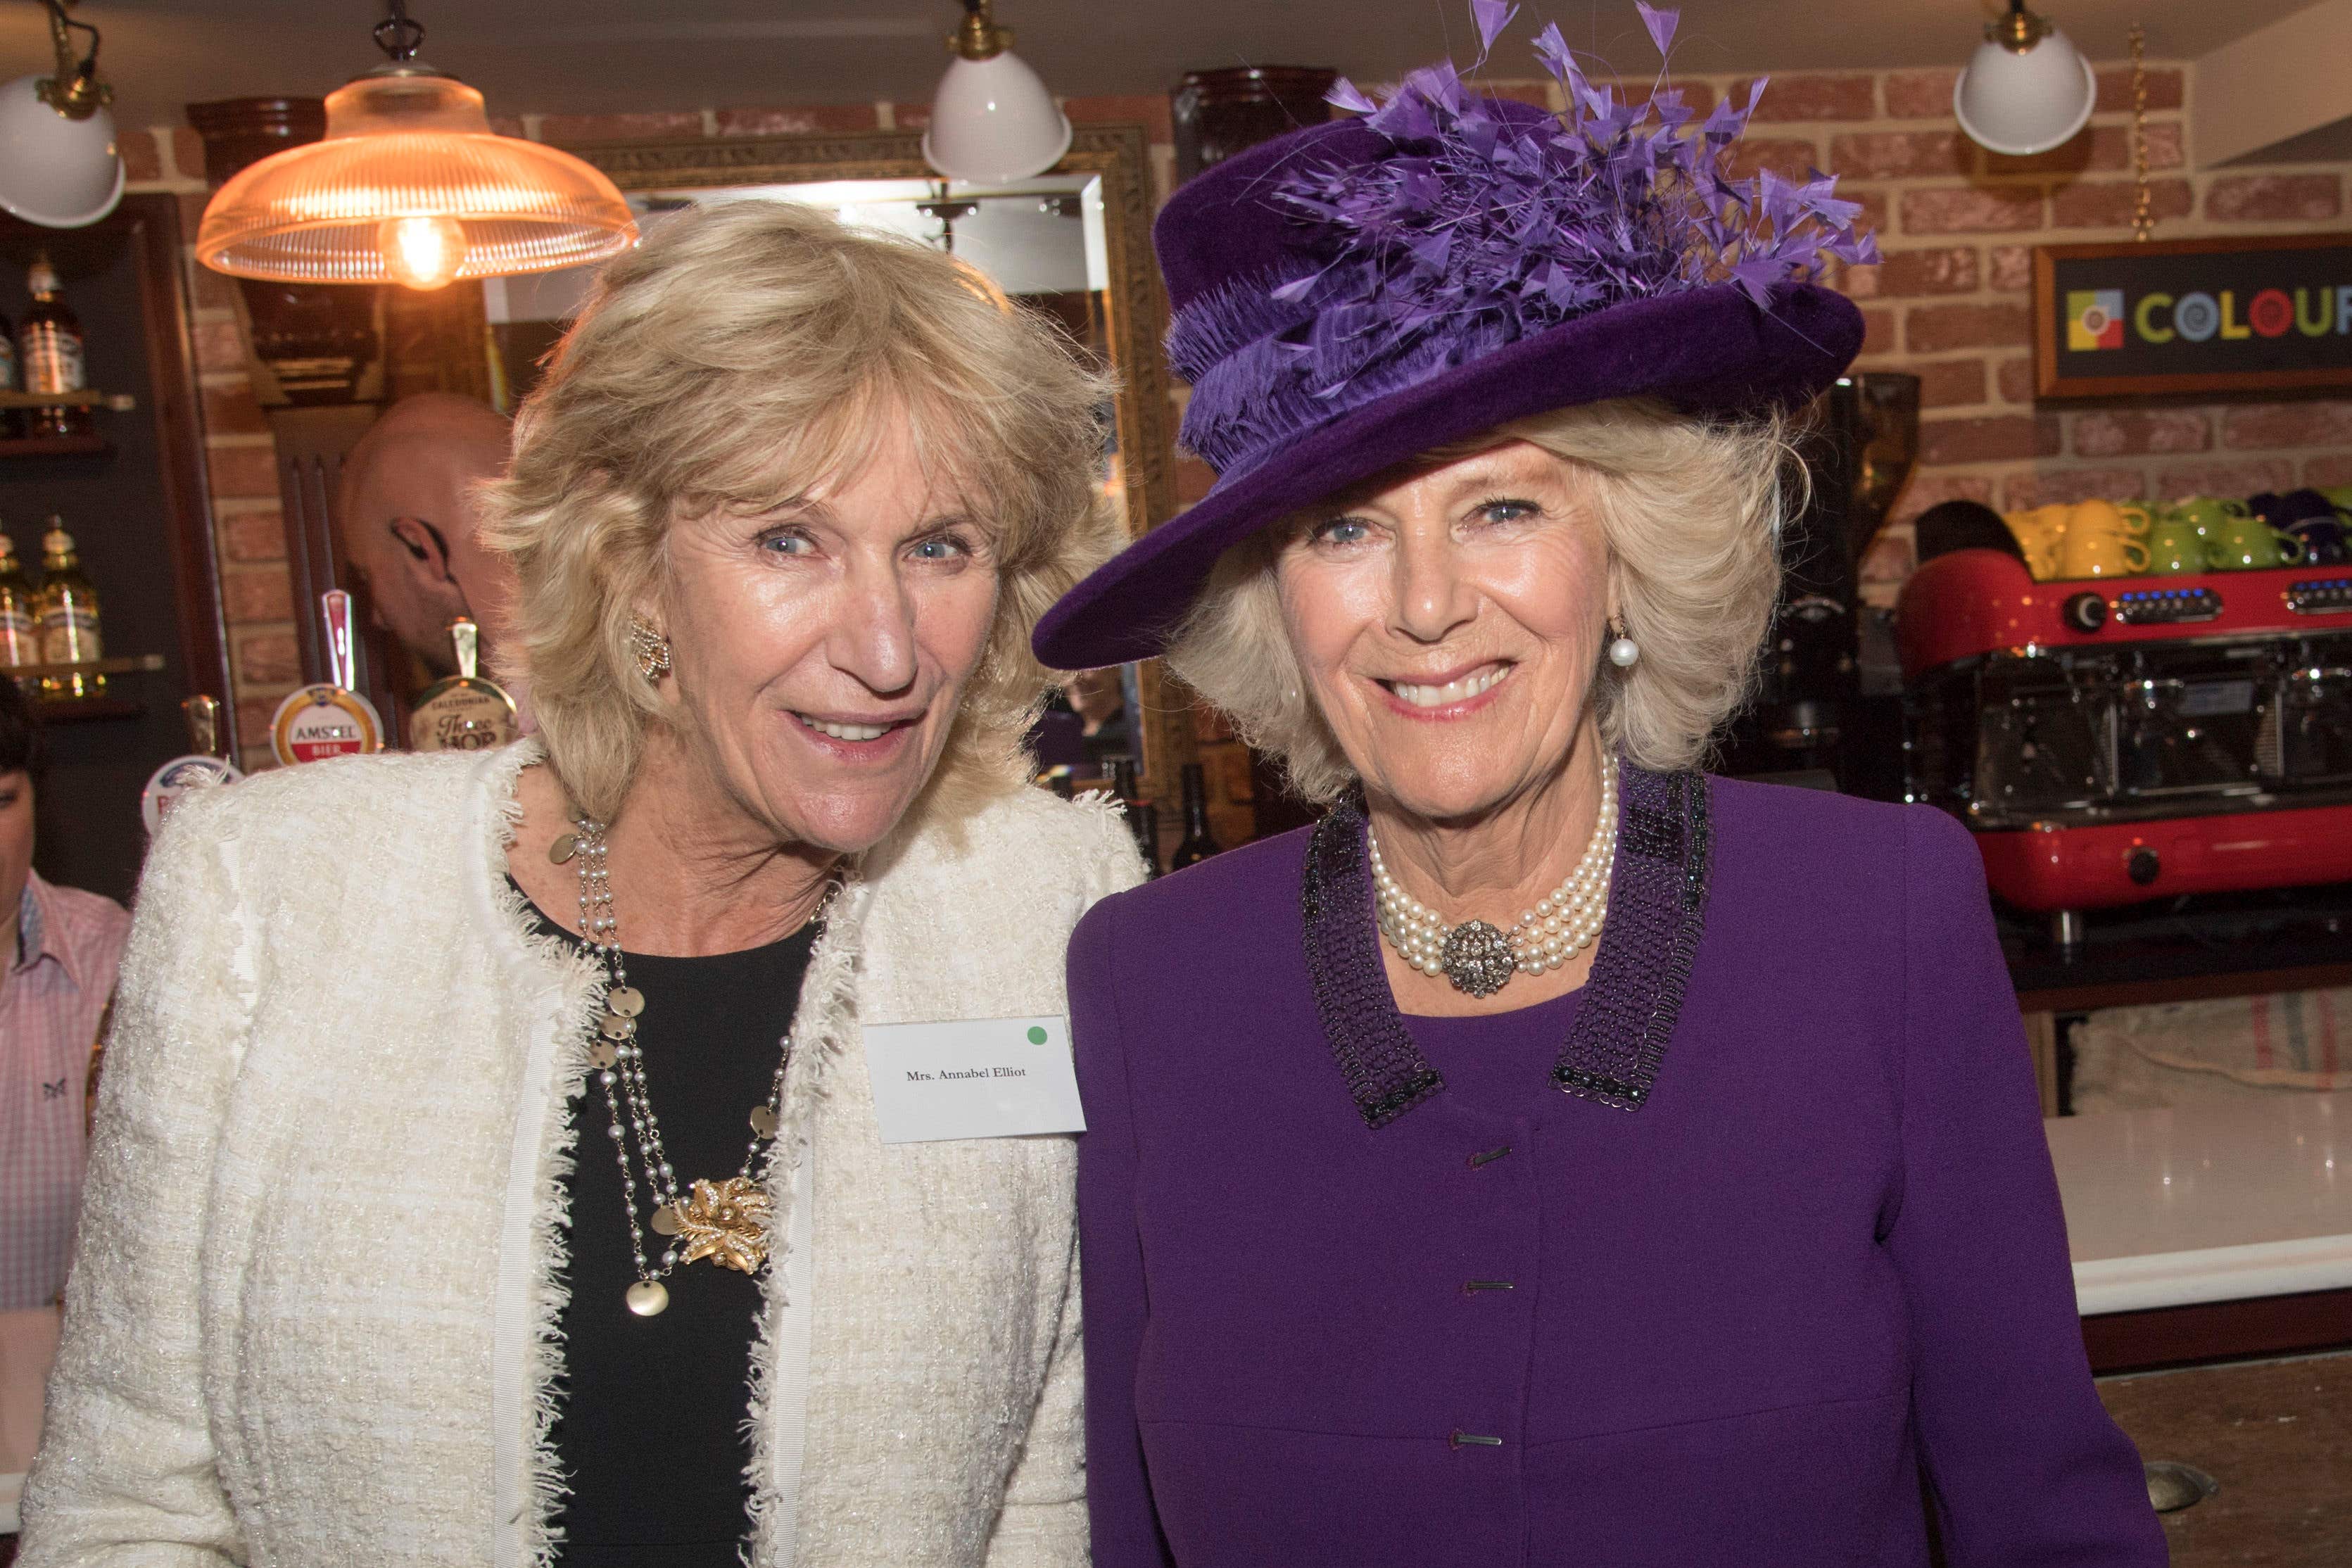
(1657, 910)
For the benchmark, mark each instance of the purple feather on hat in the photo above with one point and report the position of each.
(1484, 224)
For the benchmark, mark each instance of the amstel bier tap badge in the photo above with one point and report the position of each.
(329, 720)
(465, 712)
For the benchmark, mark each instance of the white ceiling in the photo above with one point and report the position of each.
(590, 55)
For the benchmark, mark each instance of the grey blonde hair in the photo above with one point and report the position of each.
(745, 350)
(1691, 512)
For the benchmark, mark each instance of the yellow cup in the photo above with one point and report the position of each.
(2107, 520)
(2095, 553)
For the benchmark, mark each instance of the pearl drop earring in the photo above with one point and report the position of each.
(1624, 652)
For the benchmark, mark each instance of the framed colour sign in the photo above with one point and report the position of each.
(2261, 314)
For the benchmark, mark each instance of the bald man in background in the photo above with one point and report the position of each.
(410, 528)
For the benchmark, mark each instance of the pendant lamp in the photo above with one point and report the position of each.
(58, 166)
(2026, 90)
(992, 118)
(411, 186)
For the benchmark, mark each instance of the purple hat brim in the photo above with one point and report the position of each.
(1708, 352)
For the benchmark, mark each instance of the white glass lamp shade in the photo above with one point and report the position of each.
(2020, 104)
(411, 186)
(54, 171)
(993, 121)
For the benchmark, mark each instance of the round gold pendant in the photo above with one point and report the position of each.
(603, 1054)
(649, 1297)
(763, 1120)
(566, 846)
(664, 1221)
(624, 1001)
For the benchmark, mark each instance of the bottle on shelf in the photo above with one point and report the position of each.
(1142, 817)
(49, 355)
(68, 618)
(10, 423)
(20, 611)
(1198, 843)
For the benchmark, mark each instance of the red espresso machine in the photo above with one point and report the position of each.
(2122, 739)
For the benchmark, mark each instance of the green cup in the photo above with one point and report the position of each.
(2209, 515)
(2175, 547)
(2250, 544)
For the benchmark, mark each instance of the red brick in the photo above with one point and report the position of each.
(1949, 382)
(1989, 438)
(684, 122)
(2044, 487)
(2238, 479)
(1699, 96)
(1972, 209)
(2273, 199)
(2108, 204)
(188, 154)
(253, 536)
(2335, 468)
(1900, 154)
(1824, 96)
(231, 411)
(910, 116)
(142, 159)
(2015, 379)
(1193, 479)
(1877, 331)
(2009, 268)
(1902, 274)
(2263, 425)
(2119, 433)
(1932, 328)
(2116, 90)
(269, 658)
(1919, 95)
(219, 346)
(1148, 110)
(1932, 489)
(798, 119)
(243, 472)
(1875, 214)
(257, 596)
(1787, 156)
(2103, 147)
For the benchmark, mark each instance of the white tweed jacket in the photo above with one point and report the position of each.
(313, 1319)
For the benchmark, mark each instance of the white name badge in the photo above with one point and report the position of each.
(974, 1078)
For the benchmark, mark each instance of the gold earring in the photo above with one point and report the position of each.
(652, 648)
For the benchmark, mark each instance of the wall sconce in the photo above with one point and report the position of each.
(2026, 90)
(58, 166)
(411, 186)
(992, 118)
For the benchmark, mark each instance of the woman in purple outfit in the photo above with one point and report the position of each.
(1556, 1155)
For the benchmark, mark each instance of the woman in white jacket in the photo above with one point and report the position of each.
(487, 1170)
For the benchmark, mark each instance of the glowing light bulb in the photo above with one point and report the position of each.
(421, 253)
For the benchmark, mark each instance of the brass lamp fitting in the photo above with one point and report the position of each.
(74, 92)
(2019, 30)
(978, 37)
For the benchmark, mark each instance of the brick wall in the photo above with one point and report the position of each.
(1950, 303)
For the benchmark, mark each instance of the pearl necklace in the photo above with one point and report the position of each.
(726, 1220)
(1480, 960)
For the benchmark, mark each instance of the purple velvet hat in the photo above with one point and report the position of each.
(1354, 294)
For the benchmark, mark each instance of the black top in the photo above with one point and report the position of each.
(651, 1437)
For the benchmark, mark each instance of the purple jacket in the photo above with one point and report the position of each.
(1781, 1244)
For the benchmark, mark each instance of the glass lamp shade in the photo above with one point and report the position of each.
(54, 171)
(993, 121)
(411, 186)
(2020, 104)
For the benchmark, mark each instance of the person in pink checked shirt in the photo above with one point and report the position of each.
(59, 948)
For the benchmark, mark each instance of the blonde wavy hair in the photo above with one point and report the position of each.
(1690, 511)
(746, 351)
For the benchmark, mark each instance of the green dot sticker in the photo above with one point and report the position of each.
(1036, 1034)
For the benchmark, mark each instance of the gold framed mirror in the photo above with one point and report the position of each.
(1120, 312)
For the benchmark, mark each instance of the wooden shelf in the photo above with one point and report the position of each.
(55, 446)
(131, 664)
(74, 710)
(88, 397)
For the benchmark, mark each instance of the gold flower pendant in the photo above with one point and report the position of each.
(726, 1222)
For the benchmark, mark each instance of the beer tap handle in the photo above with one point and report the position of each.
(465, 639)
(341, 667)
(202, 711)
